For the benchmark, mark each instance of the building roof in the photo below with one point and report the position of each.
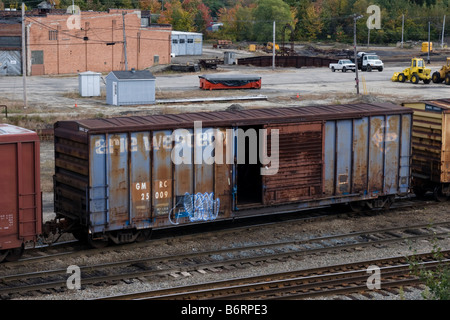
(174, 32)
(133, 75)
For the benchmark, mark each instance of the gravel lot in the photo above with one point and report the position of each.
(55, 97)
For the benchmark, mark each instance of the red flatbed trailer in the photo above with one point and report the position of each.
(229, 81)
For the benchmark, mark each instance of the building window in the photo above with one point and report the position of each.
(175, 41)
(190, 40)
(145, 22)
(53, 35)
(181, 40)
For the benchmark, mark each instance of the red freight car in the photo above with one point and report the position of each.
(20, 191)
(229, 81)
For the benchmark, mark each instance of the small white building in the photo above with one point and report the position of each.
(130, 87)
(187, 43)
(89, 84)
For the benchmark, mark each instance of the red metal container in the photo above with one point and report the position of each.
(20, 191)
(229, 81)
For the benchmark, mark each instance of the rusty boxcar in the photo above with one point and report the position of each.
(20, 190)
(118, 178)
(431, 147)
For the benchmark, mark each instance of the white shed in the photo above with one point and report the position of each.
(130, 87)
(89, 84)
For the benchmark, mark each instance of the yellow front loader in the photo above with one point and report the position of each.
(443, 74)
(414, 73)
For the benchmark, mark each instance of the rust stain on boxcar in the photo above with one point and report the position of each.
(360, 147)
(118, 175)
(300, 164)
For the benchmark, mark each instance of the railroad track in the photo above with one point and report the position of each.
(332, 280)
(213, 260)
(72, 248)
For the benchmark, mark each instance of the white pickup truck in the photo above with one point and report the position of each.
(343, 64)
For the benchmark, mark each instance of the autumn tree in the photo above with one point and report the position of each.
(153, 5)
(265, 13)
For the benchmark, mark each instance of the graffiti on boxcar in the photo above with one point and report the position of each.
(197, 207)
(381, 139)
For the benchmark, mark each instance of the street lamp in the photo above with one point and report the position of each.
(355, 18)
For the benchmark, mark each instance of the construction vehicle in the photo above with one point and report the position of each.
(269, 46)
(443, 74)
(414, 73)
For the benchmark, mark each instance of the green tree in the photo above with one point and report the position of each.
(265, 13)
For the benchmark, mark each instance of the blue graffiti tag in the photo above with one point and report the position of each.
(198, 207)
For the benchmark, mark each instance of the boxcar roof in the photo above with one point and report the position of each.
(233, 118)
(10, 133)
(442, 103)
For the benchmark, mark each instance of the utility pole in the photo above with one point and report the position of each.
(443, 31)
(403, 27)
(273, 47)
(355, 18)
(124, 41)
(429, 26)
(24, 60)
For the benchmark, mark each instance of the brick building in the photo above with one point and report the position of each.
(58, 42)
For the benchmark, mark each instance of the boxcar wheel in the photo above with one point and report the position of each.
(3, 255)
(438, 195)
(15, 254)
(143, 235)
(357, 206)
(96, 243)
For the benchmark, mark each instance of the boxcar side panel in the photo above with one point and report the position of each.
(330, 158)
(391, 150)
(360, 152)
(223, 174)
(405, 154)
(140, 180)
(183, 157)
(9, 196)
(162, 175)
(118, 184)
(300, 172)
(98, 183)
(29, 190)
(445, 152)
(203, 160)
(376, 154)
(344, 134)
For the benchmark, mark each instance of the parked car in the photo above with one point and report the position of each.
(343, 65)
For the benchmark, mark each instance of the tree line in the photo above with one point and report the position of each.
(252, 20)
